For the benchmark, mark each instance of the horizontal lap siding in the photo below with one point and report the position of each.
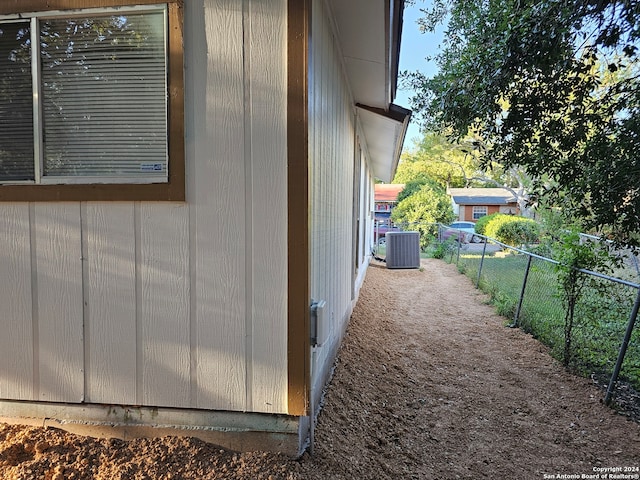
(168, 304)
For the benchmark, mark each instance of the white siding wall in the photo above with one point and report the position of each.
(332, 125)
(18, 316)
(56, 243)
(163, 304)
(366, 217)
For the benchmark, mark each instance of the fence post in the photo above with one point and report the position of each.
(623, 349)
(524, 285)
(484, 249)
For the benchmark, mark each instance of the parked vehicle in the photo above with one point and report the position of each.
(463, 232)
(381, 230)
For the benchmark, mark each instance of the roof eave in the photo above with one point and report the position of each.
(384, 133)
(369, 34)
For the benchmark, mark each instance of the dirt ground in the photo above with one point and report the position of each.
(429, 384)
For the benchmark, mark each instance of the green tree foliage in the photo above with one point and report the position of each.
(563, 242)
(552, 86)
(412, 187)
(573, 254)
(460, 164)
(427, 205)
(450, 164)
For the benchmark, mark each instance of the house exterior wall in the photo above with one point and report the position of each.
(366, 219)
(466, 211)
(169, 304)
(334, 150)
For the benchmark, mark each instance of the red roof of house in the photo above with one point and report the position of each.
(387, 192)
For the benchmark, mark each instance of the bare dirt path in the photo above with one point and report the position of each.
(429, 384)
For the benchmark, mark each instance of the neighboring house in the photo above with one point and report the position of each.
(385, 198)
(469, 204)
(192, 176)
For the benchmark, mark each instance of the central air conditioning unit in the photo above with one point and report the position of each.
(403, 249)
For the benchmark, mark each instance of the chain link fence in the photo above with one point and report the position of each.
(525, 288)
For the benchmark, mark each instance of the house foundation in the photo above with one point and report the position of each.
(237, 431)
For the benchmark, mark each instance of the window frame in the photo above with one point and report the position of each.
(483, 209)
(174, 188)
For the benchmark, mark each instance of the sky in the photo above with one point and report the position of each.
(414, 48)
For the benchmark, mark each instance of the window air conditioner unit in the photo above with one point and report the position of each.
(403, 249)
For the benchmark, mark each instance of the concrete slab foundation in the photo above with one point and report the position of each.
(236, 431)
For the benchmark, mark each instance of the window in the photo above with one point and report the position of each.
(85, 107)
(479, 212)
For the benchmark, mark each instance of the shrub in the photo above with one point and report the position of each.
(443, 248)
(573, 254)
(481, 223)
(491, 229)
(512, 230)
(518, 232)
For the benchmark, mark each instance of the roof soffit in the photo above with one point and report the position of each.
(364, 30)
(384, 134)
(368, 32)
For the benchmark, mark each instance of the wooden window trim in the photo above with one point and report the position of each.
(174, 189)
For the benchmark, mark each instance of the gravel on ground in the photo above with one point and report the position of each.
(428, 384)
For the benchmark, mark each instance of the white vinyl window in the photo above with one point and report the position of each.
(83, 97)
(479, 212)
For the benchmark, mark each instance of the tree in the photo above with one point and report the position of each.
(437, 158)
(553, 87)
(425, 204)
(460, 164)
